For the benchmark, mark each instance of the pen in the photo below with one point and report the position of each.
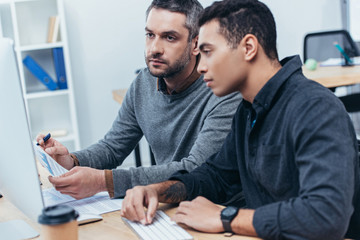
(342, 52)
(45, 138)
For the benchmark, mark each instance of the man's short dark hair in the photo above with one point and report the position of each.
(190, 8)
(240, 17)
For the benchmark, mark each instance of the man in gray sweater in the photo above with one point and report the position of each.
(168, 103)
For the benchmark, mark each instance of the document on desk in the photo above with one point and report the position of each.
(98, 204)
(48, 162)
(162, 228)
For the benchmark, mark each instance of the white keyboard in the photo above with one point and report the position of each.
(162, 228)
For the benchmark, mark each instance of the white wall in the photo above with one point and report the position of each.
(295, 18)
(106, 40)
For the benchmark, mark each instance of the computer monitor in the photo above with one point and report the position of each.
(19, 181)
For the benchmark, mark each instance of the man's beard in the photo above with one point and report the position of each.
(175, 68)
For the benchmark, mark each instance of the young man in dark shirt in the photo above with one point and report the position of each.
(292, 149)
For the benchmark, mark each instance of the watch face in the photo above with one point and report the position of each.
(229, 212)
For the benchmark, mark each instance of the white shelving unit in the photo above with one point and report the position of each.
(26, 22)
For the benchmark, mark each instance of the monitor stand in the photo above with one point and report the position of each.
(17, 229)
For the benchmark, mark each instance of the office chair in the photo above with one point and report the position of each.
(138, 162)
(320, 46)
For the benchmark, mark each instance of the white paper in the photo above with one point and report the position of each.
(162, 228)
(98, 204)
(48, 162)
(52, 197)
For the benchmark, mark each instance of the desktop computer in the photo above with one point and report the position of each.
(19, 181)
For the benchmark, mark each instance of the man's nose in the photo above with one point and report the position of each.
(156, 47)
(202, 67)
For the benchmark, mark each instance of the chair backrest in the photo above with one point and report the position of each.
(320, 45)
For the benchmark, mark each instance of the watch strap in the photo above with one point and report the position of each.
(227, 225)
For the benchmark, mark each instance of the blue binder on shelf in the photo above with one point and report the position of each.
(58, 56)
(39, 73)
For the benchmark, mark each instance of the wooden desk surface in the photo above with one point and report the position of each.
(334, 76)
(119, 94)
(111, 227)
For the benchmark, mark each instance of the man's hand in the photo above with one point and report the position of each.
(57, 151)
(136, 199)
(80, 182)
(200, 214)
(149, 196)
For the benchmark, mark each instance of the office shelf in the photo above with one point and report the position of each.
(40, 46)
(27, 23)
(46, 94)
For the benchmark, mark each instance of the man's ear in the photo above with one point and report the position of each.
(194, 46)
(250, 45)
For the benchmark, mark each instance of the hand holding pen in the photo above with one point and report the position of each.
(47, 137)
(56, 150)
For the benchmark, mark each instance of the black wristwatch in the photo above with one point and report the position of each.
(227, 215)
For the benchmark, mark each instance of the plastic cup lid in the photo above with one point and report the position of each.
(57, 214)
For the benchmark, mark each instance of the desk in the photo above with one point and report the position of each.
(119, 94)
(111, 227)
(334, 76)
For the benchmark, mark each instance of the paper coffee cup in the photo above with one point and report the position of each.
(59, 223)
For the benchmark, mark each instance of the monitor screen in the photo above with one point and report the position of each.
(19, 181)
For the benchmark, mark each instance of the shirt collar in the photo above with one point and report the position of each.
(161, 86)
(267, 94)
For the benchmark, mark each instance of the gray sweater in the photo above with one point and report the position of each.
(183, 130)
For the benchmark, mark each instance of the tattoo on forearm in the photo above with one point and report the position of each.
(175, 193)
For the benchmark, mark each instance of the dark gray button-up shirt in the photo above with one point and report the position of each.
(293, 153)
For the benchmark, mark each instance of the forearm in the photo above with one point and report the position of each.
(101, 181)
(106, 154)
(210, 181)
(242, 223)
(125, 179)
(170, 191)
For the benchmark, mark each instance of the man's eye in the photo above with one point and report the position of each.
(206, 52)
(170, 38)
(149, 35)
